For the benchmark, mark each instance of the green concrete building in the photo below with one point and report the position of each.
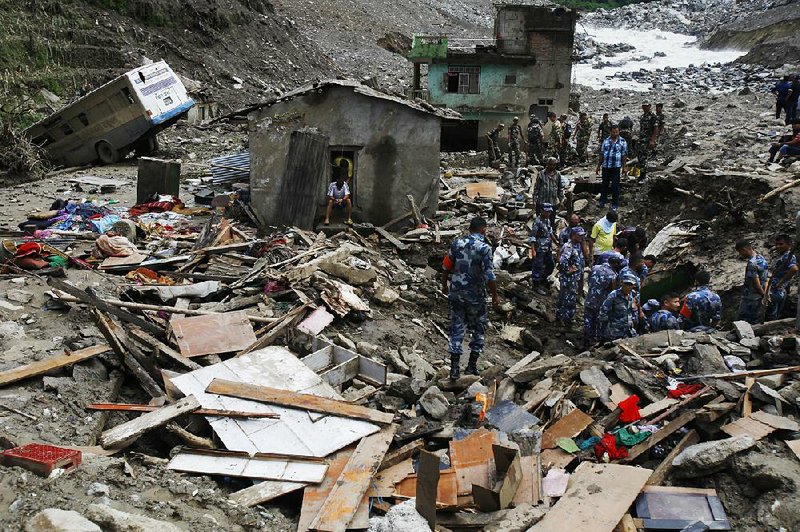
(525, 70)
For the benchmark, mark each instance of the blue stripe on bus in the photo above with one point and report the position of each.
(163, 117)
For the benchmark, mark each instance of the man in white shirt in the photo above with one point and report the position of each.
(339, 198)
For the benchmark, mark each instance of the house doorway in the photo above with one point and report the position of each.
(344, 161)
(459, 136)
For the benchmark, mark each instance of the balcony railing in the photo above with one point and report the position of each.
(418, 94)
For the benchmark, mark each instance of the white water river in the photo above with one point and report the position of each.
(680, 50)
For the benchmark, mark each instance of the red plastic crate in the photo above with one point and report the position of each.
(42, 459)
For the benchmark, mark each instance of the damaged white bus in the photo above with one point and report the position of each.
(124, 114)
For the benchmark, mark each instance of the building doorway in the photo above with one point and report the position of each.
(459, 136)
(344, 161)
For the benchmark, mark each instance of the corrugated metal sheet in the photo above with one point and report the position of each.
(231, 168)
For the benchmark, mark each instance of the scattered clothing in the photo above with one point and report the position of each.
(630, 409)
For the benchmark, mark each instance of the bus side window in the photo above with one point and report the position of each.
(43, 140)
(127, 93)
(83, 119)
(66, 129)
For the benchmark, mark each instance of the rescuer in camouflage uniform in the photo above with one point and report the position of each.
(601, 283)
(604, 129)
(535, 141)
(514, 138)
(493, 138)
(541, 251)
(570, 269)
(648, 132)
(616, 312)
(583, 134)
(556, 136)
(468, 267)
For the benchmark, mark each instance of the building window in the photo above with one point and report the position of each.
(66, 129)
(511, 79)
(543, 101)
(83, 119)
(463, 80)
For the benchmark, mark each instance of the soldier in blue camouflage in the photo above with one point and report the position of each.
(648, 134)
(783, 270)
(570, 269)
(616, 312)
(468, 268)
(541, 250)
(666, 317)
(601, 282)
(755, 282)
(702, 308)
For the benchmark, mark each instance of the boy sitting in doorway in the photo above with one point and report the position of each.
(339, 198)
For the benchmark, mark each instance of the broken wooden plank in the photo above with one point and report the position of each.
(40, 367)
(225, 463)
(164, 349)
(777, 422)
(213, 334)
(426, 490)
(264, 492)
(289, 399)
(129, 407)
(446, 491)
(276, 329)
(391, 238)
(472, 458)
(506, 480)
(747, 426)
(346, 496)
(744, 374)
(597, 498)
(674, 425)
(657, 407)
(568, 426)
(660, 473)
(123, 435)
(529, 491)
(482, 189)
(316, 494)
(401, 454)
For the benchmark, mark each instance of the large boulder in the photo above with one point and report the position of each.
(434, 403)
(56, 520)
(118, 521)
(709, 457)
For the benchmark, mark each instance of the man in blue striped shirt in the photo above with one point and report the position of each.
(613, 159)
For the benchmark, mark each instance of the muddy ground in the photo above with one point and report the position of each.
(724, 136)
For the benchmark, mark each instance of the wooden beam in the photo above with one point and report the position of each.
(92, 299)
(289, 399)
(130, 407)
(275, 330)
(391, 238)
(125, 434)
(344, 499)
(744, 374)
(637, 450)
(401, 454)
(166, 350)
(660, 473)
(40, 367)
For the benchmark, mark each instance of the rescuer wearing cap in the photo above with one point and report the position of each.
(468, 268)
(570, 268)
(541, 251)
(535, 141)
(617, 312)
(601, 283)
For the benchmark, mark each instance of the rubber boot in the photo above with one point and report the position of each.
(472, 365)
(455, 371)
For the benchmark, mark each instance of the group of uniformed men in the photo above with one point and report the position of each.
(551, 139)
(612, 307)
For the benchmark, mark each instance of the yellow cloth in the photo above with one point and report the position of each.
(603, 241)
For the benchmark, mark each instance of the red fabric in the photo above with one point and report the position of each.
(684, 389)
(447, 263)
(153, 206)
(686, 312)
(29, 248)
(630, 409)
(609, 445)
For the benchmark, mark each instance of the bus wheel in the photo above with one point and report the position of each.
(146, 146)
(106, 153)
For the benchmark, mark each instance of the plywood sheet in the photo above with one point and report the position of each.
(596, 499)
(297, 432)
(472, 458)
(383, 485)
(446, 492)
(484, 189)
(557, 458)
(529, 488)
(568, 426)
(225, 464)
(264, 491)
(314, 496)
(748, 426)
(213, 333)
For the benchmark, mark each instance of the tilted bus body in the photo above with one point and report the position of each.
(124, 114)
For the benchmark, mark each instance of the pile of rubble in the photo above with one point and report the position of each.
(246, 354)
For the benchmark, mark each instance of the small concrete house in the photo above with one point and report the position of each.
(389, 145)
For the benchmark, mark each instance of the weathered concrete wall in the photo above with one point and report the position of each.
(397, 151)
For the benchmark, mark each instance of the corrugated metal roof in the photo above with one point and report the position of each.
(231, 168)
